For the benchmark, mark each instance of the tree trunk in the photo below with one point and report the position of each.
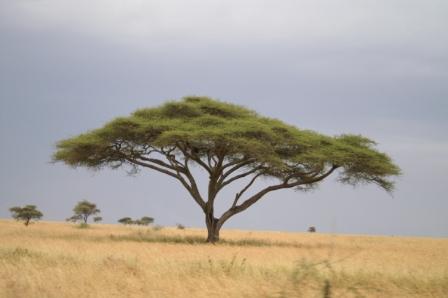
(212, 228)
(27, 221)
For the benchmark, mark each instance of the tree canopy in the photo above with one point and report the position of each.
(125, 220)
(145, 220)
(230, 143)
(84, 209)
(97, 219)
(26, 213)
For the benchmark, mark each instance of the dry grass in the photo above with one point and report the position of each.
(60, 260)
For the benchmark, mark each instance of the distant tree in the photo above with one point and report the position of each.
(74, 218)
(27, 213)
(230, 144)
(84, 209)
(97, 219)
(145, 220)
(180, 226)
(125, 220)
(312, 229)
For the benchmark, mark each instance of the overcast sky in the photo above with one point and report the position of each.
(377, 68)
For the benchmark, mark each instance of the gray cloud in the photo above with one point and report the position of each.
(152, 23)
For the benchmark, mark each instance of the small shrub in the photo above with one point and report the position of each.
(312, 229)
(145, 220)
(97, 219)
(83, 225)
(125, 220)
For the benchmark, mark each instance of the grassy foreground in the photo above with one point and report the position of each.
(60, 260)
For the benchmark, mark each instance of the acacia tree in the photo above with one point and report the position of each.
(230, 143)
(84, 209)
(125, 220)
(97, 219)
(145, 220)
(26, 213)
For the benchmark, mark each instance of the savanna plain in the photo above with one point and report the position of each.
(49, 259)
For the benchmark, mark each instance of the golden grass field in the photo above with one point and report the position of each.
(61, 260)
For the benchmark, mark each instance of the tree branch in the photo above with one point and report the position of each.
(192, 189)
(158, 162)
(238, 195)
(193, 184)
(234, 162)
(193, 157)
(252, 200)
(224, 183)
(237, 166)
(147, 165)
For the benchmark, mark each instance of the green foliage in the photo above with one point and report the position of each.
(84, 209)
(26, 214)
(125, 220)
(210, 126)
(144, 221)
(97, 219)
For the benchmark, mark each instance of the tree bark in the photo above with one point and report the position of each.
(212, 228)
